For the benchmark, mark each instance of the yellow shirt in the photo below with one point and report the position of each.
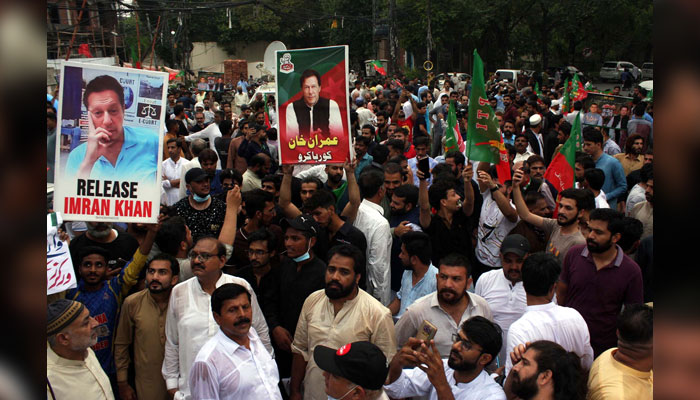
(629, 165)
(74, 379)
(610, 379)
(362, 318)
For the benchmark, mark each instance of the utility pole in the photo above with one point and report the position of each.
(429, 38)
(393, 40)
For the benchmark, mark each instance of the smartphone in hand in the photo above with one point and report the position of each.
(424, 166)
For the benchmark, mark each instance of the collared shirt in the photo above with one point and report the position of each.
(561, 325)
(335, 122)
(611, 148)
(361, 318)
(193, 163)
(251, 181)
(413, 164)
(362, 163)
(629, 165)
(171, 170)
(507, 302)
(601, 201)
(600, 294)
(615, 182)
(493, 228)
(142, 324)
(190, 323)
(428, 308)
(414, 382)
(644, 212)
(522, 157)
(636, 196)
(137, 160)
(611, 379)
(370, 221)
(74, 379)
(409, 292)
(210, 133)
(223, 369)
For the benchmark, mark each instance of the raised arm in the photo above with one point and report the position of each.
(520, 205)
(233, 205)
(423, 201)
(285, 200)
(354, 200)
(501, 200)
(468, 203)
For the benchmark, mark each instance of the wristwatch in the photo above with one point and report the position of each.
(494, 188)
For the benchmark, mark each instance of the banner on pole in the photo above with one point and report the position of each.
(114, 118)
(314, 110)
(60, 274)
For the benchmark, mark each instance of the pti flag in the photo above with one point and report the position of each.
(378, 67)
(453, 139)
(313, 105)
(484, 140)
(560, 172)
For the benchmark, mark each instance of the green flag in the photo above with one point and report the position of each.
(560, 171)
(566, 107)
(453, 139)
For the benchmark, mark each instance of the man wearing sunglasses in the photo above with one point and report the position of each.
(461, 376)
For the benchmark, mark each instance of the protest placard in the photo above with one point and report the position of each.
(314, 110)
(115, 117)
(608, 105)
(60, 274)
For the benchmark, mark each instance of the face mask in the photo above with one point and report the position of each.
(200, 199)
(305, 257)
(346, 393)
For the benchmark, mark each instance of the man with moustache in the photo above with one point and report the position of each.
(203, 213)
(72, 370)
(340, 187)
(618, 279)
(405, 217)
(545, 370)
(340, 313)
(460, 376)
(313, 114)
(419, 277)
(261, 249)
(503, 288)
(544, 319)
(142, 325)
(234, 363)
(563, 232)
(447, 308)
(190, 323)
(301, 273)
(258, 167)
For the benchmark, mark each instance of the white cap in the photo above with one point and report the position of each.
(535, 120)
(555, 102)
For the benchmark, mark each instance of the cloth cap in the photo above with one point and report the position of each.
(303, 223)
(535, 120)
(195, 175)
(61, 313)
(360, 101)
(516, 244)
(362, 363)
(555, 102)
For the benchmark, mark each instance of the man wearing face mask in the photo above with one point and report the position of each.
(300, 274)
(203, 213)
(354, 371)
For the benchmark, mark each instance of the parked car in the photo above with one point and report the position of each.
(612, 70)
(648, 70)
(511, 75)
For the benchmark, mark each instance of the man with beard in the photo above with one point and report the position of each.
(632, 159)
(545, 370)
(104, 296)
(258, 167)
(189, 322)
(234, 161)
(301, 273)
(203, 213)
(72, 370)
(537, 168)
(644, 211)
(338, 186)
(563, 232)
(405, 218)
(615, 183)
(255, 143)
(142, 325)
(460, 376)
(563, 133)
(393, 178)
(382, 133)
(419, 276)
(511, 110)
(234, 364)
(503, 289)
(582, 163)
(544, 319)
(602, 263)
(119, 245)
(446, 308)
(509, 132)
(262, 249)
(340, 313)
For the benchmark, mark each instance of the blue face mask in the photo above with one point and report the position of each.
(342, 397)
(200, 199)
(304, 256)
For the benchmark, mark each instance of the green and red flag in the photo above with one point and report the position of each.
(267, 114)
(134, 56)
(560, 172)
(378, 67)
(453, 139)
(577, 90)
(566, 107)
(484, 140)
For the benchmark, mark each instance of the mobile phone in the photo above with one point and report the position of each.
(426, 331)
(424, 166)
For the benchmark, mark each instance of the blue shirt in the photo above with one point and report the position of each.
(364, 161)
(413, 163)
(244, 85)
(409, 293)
(615, 182)
(137, 161)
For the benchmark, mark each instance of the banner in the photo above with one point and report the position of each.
(60, 274)
(206, 80)
(314, 110)
(112, 169)
(608, 104)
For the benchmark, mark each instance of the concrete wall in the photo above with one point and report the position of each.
(209, 56)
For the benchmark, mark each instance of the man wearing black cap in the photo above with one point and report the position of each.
(354, 371)
(301, 273)
(72, 370)
(203, 213)
(503, 288)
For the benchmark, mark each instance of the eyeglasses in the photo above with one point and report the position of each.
(257, 252)
(202, 256)
(466, 344)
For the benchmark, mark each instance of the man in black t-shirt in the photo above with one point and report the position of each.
(203, 213)
(118, 244)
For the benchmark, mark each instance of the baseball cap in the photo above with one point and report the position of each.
(195, 175)
(516, 244)
(362, 363)
(303, 223)
(535, 120)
